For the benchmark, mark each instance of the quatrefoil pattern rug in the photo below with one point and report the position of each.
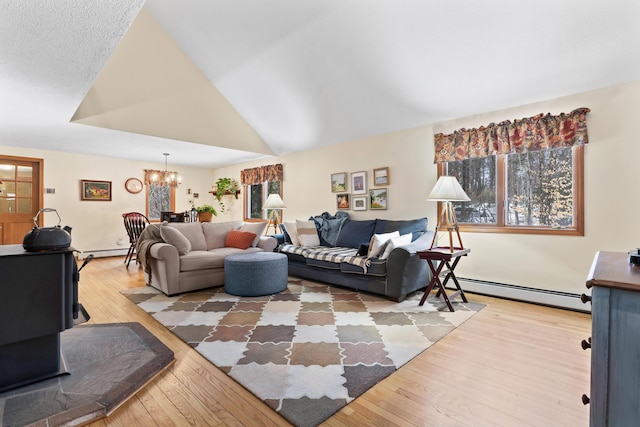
(309, 350)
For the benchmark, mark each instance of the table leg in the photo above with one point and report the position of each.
(435, 279)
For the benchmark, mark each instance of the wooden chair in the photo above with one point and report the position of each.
(134, 223)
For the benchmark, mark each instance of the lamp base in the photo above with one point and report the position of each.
(448, 223)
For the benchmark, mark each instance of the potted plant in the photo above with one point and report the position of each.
(223, 187)
(205, 213)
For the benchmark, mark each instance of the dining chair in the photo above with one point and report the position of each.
(134, 223)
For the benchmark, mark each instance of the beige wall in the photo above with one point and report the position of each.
(98, 225)
(547, 262)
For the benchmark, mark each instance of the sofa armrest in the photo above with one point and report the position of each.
(268, 243)
(165, 268)
(406, 271)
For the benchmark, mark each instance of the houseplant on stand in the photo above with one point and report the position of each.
(205, 213)
(224, 187)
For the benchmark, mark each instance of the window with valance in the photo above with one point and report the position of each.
(259, 182)
(523, 176)
(161, 192)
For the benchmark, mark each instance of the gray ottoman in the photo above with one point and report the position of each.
(255, 274)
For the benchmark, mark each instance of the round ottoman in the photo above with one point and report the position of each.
(255, 274)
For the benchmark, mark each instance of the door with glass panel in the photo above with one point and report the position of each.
(20, 196)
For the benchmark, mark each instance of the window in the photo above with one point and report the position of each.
(160, 198)
(534, 192)
(256, 195)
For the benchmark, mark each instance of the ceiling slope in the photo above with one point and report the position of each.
(150, 87)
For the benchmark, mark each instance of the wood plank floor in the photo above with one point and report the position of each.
(512, 364)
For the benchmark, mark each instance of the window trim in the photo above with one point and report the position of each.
(501, 227)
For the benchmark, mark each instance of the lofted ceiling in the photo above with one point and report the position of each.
(217, 82)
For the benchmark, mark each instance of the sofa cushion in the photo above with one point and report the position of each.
(307, 233)
(175, 238)
(376, 267)
(379, 242)
(193, 232)
(416, 227)
(256, 228)
(396, 242)
(239, 239)
(355, 233)
(201, 260)
(215, 233)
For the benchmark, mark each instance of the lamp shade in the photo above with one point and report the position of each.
(448, 189)
(274, 201)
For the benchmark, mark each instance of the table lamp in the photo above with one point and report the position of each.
(275, 203)
(448, 190)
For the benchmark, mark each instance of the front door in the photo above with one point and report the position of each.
(21, 196)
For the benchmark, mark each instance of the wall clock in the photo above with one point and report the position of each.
(133, 185)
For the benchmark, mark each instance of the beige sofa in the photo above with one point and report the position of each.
(183, 257)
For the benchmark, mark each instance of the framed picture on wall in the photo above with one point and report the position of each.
(342, 201)
(378, 198)
(338, 182)
(381, 176)
(359, 203)
(359, 183)
(95, 190)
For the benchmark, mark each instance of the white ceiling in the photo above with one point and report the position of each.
(260, 77)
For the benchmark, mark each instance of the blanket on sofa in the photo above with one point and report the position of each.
(149, 237)
(335, 254)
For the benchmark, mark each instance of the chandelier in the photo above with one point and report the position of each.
(163, 178)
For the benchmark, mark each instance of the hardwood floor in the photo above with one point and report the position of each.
(512, 364)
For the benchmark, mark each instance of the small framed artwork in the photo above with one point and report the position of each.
(342, 201)
(338, 182)
(359, 203)
(378, 198)
(359, 183)
(381, 176)
(95, 190)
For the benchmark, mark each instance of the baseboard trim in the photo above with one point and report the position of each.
(102, 253)
(546, 297)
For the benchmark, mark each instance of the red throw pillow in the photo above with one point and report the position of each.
(239, 239)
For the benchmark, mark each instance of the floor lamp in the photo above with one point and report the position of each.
(448, 190)
(275, 203)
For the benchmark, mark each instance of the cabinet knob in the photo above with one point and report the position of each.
(585, 399)
(585, 298)
(586, 343)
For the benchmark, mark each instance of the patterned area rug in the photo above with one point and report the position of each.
(309, 350)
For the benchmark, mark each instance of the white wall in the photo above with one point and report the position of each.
(98, 225)
(548, 262)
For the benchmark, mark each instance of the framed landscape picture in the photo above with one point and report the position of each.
(339, 182)
(378, 198)
(342, 201)
(359, 183)
(95, 190)
(381, 176)
(359, 203)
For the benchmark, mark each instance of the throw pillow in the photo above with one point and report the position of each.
(376, 246)
(193, 232)
(396, 242)
(256, 228)
(307, 233)
(292, 231)
(215, 233)
(175, 238)
(239, 239)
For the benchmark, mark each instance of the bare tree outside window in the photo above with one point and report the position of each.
(478, 179)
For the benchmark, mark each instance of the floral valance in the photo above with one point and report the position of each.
(261, 174)
(539, 132)
(161, 178)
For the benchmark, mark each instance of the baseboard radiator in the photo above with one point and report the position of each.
(546, 297)
(100, 253)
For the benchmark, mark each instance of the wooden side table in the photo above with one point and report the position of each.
(444, 255)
